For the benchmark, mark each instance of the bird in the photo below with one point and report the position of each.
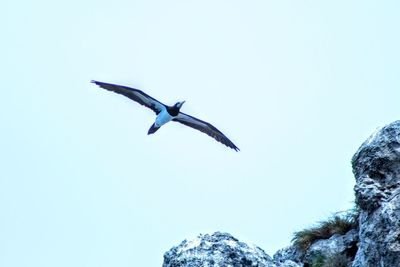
(167, 113)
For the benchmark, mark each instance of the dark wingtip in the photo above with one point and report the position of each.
(153, 129)
(233, 146)
(93, 81)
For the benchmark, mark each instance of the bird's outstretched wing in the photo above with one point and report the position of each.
(206, 128)
(134, 94)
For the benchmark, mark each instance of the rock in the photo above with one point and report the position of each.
(374, 241)
(376, 166)
(323, 252)
(289, 263)
(288, 256)
(216, 250)
(336, 245)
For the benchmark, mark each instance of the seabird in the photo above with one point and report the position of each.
(167, 113)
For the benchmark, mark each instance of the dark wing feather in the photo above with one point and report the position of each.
(134, 94)
(206, 128)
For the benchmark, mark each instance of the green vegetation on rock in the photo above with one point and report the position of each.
(337, 224)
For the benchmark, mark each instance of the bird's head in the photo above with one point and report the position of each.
(178, 105)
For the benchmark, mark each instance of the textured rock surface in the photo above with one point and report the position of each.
(376, 167)
(337, 244)
(321, 251)
(289, 263)
(217, 250)
(288, 257)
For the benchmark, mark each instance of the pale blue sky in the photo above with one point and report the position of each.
(296, 85)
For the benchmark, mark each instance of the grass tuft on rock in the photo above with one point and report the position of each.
(337, 224)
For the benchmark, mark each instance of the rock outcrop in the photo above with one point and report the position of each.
(338, 248)
(216, 250)
(376, 167)
(289, 255)
(323, 252)
(373, 241)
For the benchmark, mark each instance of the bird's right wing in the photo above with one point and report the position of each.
(206, 128)
(134, 94)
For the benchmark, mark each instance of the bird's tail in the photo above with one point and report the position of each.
(153, 129)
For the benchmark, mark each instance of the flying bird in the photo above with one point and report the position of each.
(167, 113)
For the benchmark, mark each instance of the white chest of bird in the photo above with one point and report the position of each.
(163, 118)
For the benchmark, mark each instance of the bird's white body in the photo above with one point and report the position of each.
(162, 118)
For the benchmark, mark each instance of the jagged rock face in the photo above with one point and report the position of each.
(217, 250)
(376, 166)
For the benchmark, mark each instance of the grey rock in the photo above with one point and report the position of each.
(321, 252)
(336, 245)
(376, 166)
(289, 263)
(288, 255)
(369, 193)
(216, 250)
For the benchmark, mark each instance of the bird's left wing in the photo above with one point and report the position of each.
(134, 94)
(206, 128)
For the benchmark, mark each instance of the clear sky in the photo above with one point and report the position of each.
(296, 85)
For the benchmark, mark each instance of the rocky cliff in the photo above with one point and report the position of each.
(376, 166)
(370, 238)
